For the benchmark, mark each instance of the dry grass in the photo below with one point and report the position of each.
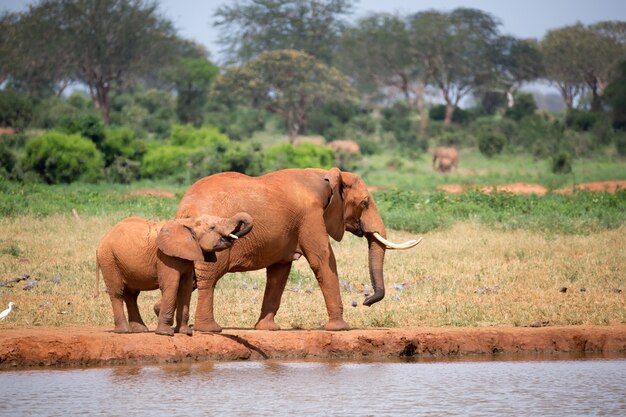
(469, 275)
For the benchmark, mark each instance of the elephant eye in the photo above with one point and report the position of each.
(365, 203)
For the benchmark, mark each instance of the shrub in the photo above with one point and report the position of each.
(438, 112)
(16, 110)
(165, 160)
(60, 158)
(304, 156)
(246, 158)
(620, 143)
(491, 143)
(191, 137)
(524, 106)
(123, 170)
(562, 163)
(121, 142)
(237, 122)
(581, 120)
(88, 126)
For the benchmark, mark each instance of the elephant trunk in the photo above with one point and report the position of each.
(242, 224)
(376, 257)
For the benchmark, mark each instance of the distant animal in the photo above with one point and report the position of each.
(448, 158)
(348, 146)
(6, 312)
(139, 255)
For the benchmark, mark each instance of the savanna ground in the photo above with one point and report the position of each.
(485, 262)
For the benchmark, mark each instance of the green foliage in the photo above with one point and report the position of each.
(246, 158)
(121, 142)
(289, 83)
(333, 120)
(165, 160)
(491, 143)
(524, 106)
(615, 94)
(88, 126)
(60, 158)
(620, 143)
(16, 110)
(306, 155)
(438, 113)
(562, 163)
(123, 170)
(191, 137)
(399, 119)
(235, 121)
(146, 112)
(581, 120)
(192, 78)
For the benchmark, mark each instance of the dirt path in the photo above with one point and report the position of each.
(91, 346)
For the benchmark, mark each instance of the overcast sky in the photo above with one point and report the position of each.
(524, 19)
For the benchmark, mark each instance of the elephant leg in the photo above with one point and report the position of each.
(121, 324)
(169, 282)
(207, 275)
(324, 266)
(134, 317)
(277, 275)
(183, 299)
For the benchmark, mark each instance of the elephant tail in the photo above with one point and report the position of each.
(97, 292)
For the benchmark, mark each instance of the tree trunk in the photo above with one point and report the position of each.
(449, 114)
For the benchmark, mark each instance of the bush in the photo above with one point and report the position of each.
(165, 160)
(60, 158)
(331, 120)
(303, 156)
(121, 142)
(438, 113)
(191, 137)
(562, 163)
(524, 106)
(582, 121)
(123, 170)
(246, 158)
(88, 126)
(620, 143)
(491, 143)
(16, 110)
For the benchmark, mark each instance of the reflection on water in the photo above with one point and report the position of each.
(270, 388)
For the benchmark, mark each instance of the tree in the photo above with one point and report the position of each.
(616, 96)
(250, 27)
(192, 78)
(106, 43)
(376, 52)
(287, 82)
(580, 58)
(456, 50)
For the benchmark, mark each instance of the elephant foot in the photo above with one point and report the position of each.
(336, 325)
(266, 324)
(121, 329)
(138, 328)
(184, 330)
(209, 327)
(164, 330)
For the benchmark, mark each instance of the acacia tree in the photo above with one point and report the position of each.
(580, 58)
(250, 27)
(286, 82)
(376, 52)
(105, 43)
(456, 50)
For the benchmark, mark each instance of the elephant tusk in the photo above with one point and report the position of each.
(233, 236)
(390, 245)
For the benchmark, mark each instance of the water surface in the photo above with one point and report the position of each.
(272, 388)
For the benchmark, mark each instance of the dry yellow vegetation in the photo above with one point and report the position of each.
(469, 275)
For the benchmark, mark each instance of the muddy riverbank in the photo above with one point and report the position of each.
(94, 346)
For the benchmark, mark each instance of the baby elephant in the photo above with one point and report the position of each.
(139, 255)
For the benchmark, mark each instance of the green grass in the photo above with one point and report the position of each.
(579, 213)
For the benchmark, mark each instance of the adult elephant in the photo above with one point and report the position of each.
(448, 158)
(294, 211)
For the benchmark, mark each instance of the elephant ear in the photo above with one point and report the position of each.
(333, 213)
(176, 240)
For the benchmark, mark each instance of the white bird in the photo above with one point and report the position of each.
(6, 312)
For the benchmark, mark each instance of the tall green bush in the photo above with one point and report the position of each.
(16, 110)
(491, 143)
(61, 158)
(306, 155)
